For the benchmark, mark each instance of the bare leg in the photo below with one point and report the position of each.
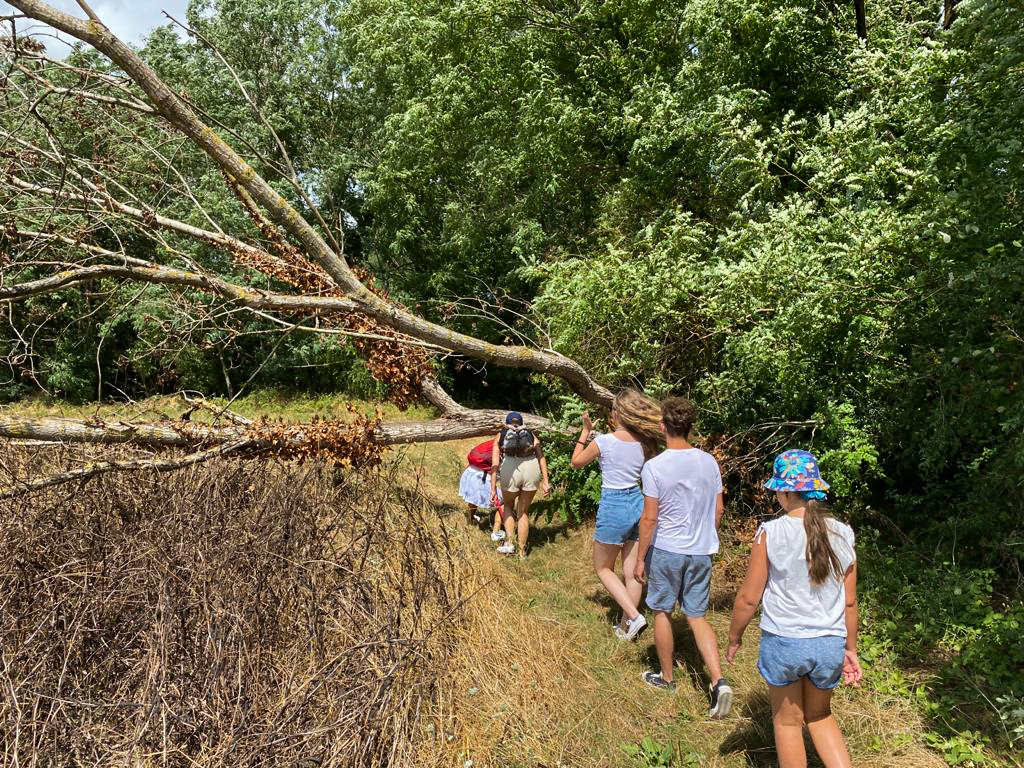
(497, 522)
(664, 643)
(633, 587)
(510, 522)
(788, 722)
(707, 644)
(469, 513)
(604, 566)
(825, 733)
(523, 518)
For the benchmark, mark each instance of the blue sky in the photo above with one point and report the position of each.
(131, 20)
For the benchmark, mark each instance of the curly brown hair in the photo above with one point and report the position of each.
(678, 415)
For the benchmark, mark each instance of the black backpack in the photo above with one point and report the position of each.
(516, 441)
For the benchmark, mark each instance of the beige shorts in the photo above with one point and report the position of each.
(519, 473)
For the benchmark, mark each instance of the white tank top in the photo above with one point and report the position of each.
(621, 462)
(792, 607)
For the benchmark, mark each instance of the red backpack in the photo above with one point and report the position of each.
(480, 456)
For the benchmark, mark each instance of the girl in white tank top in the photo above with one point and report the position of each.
(635, 419)
(804, 566)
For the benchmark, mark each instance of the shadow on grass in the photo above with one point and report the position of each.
(753, 737)
(685, 654)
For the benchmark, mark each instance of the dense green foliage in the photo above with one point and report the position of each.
(819, 239)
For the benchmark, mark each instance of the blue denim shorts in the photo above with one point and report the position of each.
(784, 660)
(682, 578)
(618, 514)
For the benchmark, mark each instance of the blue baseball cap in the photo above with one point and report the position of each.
(514, 417)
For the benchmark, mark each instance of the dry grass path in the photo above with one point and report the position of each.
(543, 682)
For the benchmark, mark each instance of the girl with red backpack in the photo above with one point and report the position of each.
(475, 488)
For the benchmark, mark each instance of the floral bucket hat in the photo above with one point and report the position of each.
(797, 471)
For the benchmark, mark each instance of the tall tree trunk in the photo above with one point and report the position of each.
(948, 13)
(862, 21)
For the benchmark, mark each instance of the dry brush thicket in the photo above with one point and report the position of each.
(232, 613)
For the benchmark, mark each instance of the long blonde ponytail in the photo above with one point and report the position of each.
(641, 417)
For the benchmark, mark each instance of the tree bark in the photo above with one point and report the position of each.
(187, 434)
(862, 21)
(948, 13)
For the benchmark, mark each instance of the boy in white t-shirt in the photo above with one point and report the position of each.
(683, 503)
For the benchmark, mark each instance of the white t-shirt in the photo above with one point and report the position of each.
(686, 483)
(621, 461)
(792, 607)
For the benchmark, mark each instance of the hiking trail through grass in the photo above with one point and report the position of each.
(544, 682)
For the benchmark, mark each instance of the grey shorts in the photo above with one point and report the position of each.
(673, 578)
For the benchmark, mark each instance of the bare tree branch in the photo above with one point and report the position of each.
(92, 470)
(176, 112)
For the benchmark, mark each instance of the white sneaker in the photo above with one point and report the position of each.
(634, 627)
(507, 548)
(498, 536)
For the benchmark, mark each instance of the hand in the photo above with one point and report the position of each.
(588, 425)
(733, 649)
(638, 571)
(851, 669)
(545, 488)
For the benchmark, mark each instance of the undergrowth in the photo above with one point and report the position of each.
(238, 613)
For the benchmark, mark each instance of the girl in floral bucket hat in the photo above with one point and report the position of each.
(804, 566)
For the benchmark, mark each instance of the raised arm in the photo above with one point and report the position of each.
(748, 597)
(583, 454)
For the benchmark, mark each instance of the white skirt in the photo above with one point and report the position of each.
(475, 488)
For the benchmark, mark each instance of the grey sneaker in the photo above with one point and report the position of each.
(507, 548)
(498, 536)
(655, 680)
(634, 627)
(721, 699)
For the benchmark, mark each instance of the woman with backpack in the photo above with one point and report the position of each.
(518, 461)
(475, 489)
(636, 432)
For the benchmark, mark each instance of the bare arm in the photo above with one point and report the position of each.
(851, 664)
(749, 596)
(648, 525)
(719, 509)
(583, 454)
(495, 462)
(545, 486)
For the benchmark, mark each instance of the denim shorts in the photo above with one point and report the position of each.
(618, 514)
(784, 660)
(682, 578)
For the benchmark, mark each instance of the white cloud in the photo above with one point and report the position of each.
(131, 20)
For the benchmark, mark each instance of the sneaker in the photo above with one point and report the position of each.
(507, 548)
(655, 680)
(478, 518)
(721, 699)
(498, 536)
(634, 627)
(619, 632)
